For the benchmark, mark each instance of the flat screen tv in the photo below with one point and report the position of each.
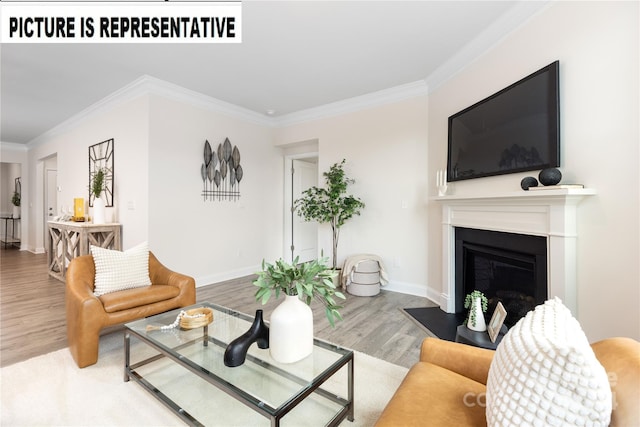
(514, 130)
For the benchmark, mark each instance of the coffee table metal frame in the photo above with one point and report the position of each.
(273, 413)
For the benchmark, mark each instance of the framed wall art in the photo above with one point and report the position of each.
(101, 158)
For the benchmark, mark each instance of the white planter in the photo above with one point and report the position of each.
(291, 331)
(16, 211)
(98, 211)
(480, 325)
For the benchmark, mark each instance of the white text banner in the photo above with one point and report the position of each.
(121, 22)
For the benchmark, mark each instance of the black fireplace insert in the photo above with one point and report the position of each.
(507, 267)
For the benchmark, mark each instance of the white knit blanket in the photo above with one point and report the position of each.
(351, 265)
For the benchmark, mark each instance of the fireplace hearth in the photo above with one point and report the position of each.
(507, 267)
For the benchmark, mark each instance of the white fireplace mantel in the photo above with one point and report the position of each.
(548, 213)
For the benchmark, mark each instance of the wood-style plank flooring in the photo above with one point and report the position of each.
(32, 316)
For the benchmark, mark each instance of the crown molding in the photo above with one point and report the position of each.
(510, 21)
(172, 91)
(13, 146)
(148, 85)
(358, 103)
(120, 96)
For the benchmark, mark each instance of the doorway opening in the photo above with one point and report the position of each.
(300, 236)
(304, 234)
(50, 198)
(11, 199)
(46, 191)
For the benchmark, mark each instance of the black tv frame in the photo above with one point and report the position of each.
(553, 70)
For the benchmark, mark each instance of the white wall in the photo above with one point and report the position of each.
(597, 45)
(211, 240)
(127, 124)
(158, 146)
(386, 152)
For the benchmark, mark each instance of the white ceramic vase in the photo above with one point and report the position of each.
(291, 331)
(98, 211)
(480, 325)
(16, 211)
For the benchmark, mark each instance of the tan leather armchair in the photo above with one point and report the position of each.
(87, 314)
(447, 386)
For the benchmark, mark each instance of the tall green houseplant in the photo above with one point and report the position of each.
(331, 204)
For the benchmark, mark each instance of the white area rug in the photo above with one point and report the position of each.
(51, 390)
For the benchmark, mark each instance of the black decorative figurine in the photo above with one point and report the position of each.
(528, 182)
(236, 351)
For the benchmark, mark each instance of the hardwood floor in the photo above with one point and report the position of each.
(372, 325)
(32, 316)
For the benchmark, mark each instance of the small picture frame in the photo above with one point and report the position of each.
(497, 319)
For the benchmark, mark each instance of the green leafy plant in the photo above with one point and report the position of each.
(468, 302)
(331, 204)
(98, 184)
(308, 280)
(15, 199)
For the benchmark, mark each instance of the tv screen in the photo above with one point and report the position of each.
(514, 130)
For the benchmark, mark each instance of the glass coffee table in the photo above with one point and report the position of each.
(184, 369)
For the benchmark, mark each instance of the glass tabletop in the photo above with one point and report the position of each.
(260, 381)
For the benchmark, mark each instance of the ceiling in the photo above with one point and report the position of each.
(295, 55)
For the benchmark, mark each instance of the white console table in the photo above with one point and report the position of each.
(68, 240)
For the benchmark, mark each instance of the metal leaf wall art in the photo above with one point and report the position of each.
(221, 172)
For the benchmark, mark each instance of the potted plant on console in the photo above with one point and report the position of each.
(331, 204)
(291, 323)
(476, 302)
(97, 187)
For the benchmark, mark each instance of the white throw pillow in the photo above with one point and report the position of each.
(117, 270)
(544, 373)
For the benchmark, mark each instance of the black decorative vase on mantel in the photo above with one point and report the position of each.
(236, 351)
(551, 176)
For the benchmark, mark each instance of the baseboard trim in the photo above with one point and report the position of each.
(413, 289)
(406, 288)
(226, 275)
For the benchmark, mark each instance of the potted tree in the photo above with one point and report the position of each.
(97, 187)
(15, 201)
(331, 204)
(291, 323)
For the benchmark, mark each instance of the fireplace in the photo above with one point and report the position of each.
(550, 215)
(506, 267)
